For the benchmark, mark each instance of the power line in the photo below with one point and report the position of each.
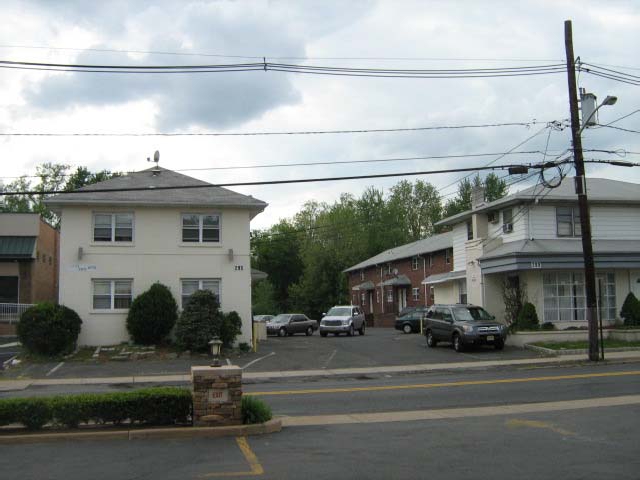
(620, 128)
(194, 54)
(271, 182)
(337, 162)
(298, 132)
(292, 68)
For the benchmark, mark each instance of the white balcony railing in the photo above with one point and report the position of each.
(10, 312)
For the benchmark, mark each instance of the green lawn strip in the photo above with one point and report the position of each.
(583, 344)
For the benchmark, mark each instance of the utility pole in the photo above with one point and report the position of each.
(581, 190)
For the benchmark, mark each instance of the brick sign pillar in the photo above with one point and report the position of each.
(217, 395)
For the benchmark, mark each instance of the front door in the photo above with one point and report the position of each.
(402, 299)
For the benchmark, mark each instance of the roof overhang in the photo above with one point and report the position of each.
(444, 277)
(557, 261)
(399, 281)
(368, 285)
(257, 275)
(17, 248)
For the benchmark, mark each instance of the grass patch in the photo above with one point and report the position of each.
(583, 344)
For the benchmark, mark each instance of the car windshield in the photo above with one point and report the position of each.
(471, 314)
(280, 319)
(339, 312)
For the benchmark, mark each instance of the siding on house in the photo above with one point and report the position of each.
(520, 225)
(459, 246)
(156, 254)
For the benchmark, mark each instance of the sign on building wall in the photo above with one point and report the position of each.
(81, 267)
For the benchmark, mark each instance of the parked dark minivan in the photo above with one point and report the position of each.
(463, 324)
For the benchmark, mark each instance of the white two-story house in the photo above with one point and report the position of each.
(154, 226)
(532, 240)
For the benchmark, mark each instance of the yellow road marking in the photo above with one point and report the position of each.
(250, 457)
(444, 384)
(516, 422)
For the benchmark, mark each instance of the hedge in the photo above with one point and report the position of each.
(254, 410)
(49, 329)
(150, 406)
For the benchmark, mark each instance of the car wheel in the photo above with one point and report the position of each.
(282, 332)
(406, 328)
(323, 334)
(498, 344)
(351, 331)
(458, 346)
(309, 331)
(431, 340)
(335, 334)
(362, 328)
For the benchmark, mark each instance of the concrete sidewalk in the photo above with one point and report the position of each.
(259, 377)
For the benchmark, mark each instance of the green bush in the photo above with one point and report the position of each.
(229, 329)
(244, 347)
(199, 322)
(150, 406)
(152, 315)
(527, 319)
(49, 329)
(254, 410)
(547, 326)
(630, 311)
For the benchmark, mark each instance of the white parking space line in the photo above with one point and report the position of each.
(54, 369)
(333, 354)
(258, 359)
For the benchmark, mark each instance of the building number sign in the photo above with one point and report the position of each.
(239, 267)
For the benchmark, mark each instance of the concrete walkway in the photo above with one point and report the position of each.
(259, 377)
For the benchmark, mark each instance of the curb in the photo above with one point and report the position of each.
(550, 352)
(272, 426)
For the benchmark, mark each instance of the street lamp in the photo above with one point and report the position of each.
(609, 100)
(215, 345)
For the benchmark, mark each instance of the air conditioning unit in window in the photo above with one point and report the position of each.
(492, 217)
(507, 228)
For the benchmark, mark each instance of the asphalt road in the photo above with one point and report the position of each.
(589, 443)
(379, 347)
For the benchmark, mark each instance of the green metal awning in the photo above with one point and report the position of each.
(368, 285)
(15, 248)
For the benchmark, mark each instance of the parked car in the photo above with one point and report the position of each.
(290, 323)
(408, 310)
(262, 318)
(463, 324)
(343, 319)
(410, 321)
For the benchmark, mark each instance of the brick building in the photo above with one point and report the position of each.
(388, 282)
(28, 259)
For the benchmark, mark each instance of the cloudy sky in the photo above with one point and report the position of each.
(364, 34)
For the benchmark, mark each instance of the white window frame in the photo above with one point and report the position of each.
(414, 263)
(361, 275)
(112, 239)
(363, 298)
(431, 260)
(390, 295)
(388, 268)
(112, 293)
(447, 256)
(377, 296)
(200, 287)
(201, 228)
(415, 293)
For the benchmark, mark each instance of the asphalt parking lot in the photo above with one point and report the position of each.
(378, 347)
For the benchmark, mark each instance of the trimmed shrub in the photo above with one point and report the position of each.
(547, 326)
(527, 318)
(151, 406)
(244, 347)
(230, 328)
(630, 311)
(34, 413)
(152, 315)
(254, 410)
(199, 322)
(49, 329)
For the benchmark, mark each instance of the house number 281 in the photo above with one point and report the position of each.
(239, 267)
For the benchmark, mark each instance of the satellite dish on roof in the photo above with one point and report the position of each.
(156, 157)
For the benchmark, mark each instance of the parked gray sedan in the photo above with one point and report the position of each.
(463, 324)
(290, 323)
(343, 319)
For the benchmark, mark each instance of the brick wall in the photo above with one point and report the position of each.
(45, 267)
(385, 311)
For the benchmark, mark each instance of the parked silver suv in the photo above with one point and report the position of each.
(463, 324)
(343, 319)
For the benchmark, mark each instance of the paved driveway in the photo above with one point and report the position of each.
(378, 347)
